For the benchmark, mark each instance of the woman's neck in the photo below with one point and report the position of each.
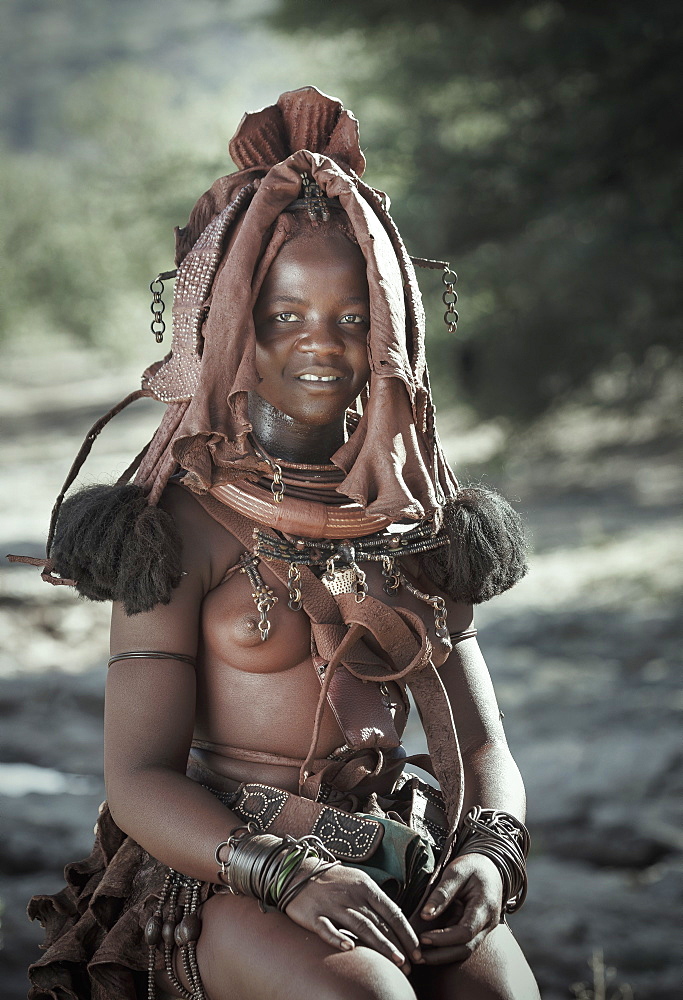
(284, 437)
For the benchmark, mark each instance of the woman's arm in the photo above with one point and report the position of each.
(492, 778)
(469, 895)
(150, 706)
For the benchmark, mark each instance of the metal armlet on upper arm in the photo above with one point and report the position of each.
(151, 654)
(466, 633)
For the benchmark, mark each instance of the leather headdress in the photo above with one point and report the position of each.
(393, 462)
(116, 542)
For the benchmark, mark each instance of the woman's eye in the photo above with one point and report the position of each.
(286, 317)
(353, 318)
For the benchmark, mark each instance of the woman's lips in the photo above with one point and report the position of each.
(321, 375)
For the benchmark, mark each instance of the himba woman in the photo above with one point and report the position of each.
(293, 555)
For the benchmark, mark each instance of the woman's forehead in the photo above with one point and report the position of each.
(311, 244)
(328, 255)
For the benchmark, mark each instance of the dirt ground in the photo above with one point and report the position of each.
(584, 653)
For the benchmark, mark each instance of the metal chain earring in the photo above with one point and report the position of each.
(450, 297)
(158, 305)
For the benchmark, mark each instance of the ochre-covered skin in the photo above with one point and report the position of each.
(267, 693)
(246, 695)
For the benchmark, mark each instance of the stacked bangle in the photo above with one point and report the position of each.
(505, 840)
(269, 868)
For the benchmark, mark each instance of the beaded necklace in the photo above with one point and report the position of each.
(311, 524)
(336, 562)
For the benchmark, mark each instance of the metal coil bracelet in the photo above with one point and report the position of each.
(269, 868)
(505, 840)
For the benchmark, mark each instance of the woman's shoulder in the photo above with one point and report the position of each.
(205, 542)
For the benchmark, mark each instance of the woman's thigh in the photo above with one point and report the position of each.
(244, 954)
(496, 971)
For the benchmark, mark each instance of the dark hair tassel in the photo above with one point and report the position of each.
(117, 548)
(488, 549)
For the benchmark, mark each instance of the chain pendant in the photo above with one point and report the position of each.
(295, 602)
(438, 604)
(392, 579)
(449, 298)
(158, 305)
(361, 586)
(277, 486)
(263, 596)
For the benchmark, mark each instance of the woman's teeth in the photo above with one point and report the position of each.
(318, 378)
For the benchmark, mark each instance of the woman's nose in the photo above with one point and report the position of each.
(322, 337)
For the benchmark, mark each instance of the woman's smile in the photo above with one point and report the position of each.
(312, 377)
(312, 319)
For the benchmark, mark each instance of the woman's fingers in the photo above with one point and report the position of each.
(445, 892)
(481, 909)
(478, 887)
(334, 936)
(393, 916)
(474, 921)
(371, 934)
(443, 956)
(456, 943)
(345, 900)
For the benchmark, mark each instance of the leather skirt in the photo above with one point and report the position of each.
(94, 928)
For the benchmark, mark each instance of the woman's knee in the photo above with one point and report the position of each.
(503, 968)
(244, 954)
(497, 970)
(359, 975)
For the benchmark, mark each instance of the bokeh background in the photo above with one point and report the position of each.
(537, 146)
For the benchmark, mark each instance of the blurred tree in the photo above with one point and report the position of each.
(113, 119)
(93, 174)
(537, 145)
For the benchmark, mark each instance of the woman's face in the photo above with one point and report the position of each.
(312, 318)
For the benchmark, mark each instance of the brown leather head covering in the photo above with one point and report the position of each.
(115, 543)
(393, 461)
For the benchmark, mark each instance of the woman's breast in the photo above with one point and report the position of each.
(231, 635)
(259, 694)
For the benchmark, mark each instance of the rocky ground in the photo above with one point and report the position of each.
(584, 654)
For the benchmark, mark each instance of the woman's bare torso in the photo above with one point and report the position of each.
(257, 695)
(262, 695)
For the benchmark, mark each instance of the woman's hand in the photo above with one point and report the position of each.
(345, 907)
(472, 889)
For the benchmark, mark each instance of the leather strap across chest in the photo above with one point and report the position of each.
(349, 670)
(360, 710)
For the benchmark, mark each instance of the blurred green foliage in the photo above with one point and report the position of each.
(114, 117)
(534, 144)
(537, 145)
